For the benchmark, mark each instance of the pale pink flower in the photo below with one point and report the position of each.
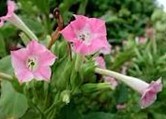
(149, 32)
(112, 81)
(147, 91)
(149, 94)
(32, 62)
(99, 61)
(141, 40)
(88, 35)
(120, 106)
(10, 12)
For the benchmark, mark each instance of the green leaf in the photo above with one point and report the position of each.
(121, 58)
(43, 5)
(12, 103)
(61, 73)
(69, 112)
(2, 47)
(5, 65)
(99, 115)
(82, 7)
(34, 25)
(30, 114)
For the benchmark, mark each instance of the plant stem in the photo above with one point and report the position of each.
(78, 62)
(5, 76)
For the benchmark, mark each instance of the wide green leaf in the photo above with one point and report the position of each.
(5, 65)
(12, 104)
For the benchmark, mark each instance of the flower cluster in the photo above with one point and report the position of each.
(88, 37)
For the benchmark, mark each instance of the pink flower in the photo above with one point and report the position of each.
(149, 32)
(147, 91)
(88, 35)
(112, 81)
(149, 94)
(32, 62)
(10, 12)
(99, 61)
(141, 40)
(120, 106)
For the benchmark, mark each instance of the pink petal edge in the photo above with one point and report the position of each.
(150, 94)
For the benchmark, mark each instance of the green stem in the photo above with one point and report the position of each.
(93, 87)
(78, 62)
(154, 45)
(24, 38)
(46, 91)
(5, 76)
(31, 103)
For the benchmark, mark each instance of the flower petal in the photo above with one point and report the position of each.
(35, 48)
(47, 58)
(156, 85)
(18, 59)
(99, 61)
(100, 29)
(150, 94)
(43, 73)
(68, 33)
(24, 76)
(11, 8)
(148, 98)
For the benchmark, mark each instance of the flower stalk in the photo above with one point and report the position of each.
(55, 35)
(5, 76)
(78, 63)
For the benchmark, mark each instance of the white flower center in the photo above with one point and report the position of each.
(31, 63)
(85, 36)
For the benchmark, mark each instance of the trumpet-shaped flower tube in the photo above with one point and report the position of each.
(32, 62)
(88, 35)
(10, 16)
(148, 91)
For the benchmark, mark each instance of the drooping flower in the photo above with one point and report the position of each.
(147, 91)
(149, 94)
(99, 61)
(8, 11)
(32, 62)
(88, 35)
